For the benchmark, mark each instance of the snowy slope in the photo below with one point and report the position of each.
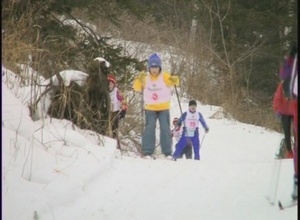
(64, 173)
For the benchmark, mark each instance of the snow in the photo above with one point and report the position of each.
(21, 88)
(83, 28)
(28, 73)
(101, 59)
(54, 169)
(69, 76)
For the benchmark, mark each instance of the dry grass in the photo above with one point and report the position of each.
(21, 43)
(244, 109)
(16, 45)
(198, 82)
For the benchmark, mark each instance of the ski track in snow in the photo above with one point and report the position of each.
(71, 177)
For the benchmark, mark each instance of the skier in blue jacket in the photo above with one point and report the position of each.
(190, 120)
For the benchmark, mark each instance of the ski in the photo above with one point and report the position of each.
(160, 157)
(287, 204)
(149, 157)
(271, 202)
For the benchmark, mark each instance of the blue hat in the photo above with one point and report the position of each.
(154, 61)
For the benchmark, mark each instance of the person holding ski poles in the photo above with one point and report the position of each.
(282, 106)
(177, 133)
(190, 120)
(156, 88)
(294, 90)
(289, 73)
(118, 107)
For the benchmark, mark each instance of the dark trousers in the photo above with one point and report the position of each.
(286, 121)
(114, 120)
(187, 151)
(183, 141)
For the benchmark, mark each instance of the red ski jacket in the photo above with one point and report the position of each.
(281, 104)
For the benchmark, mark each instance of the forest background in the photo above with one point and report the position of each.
(229, 51)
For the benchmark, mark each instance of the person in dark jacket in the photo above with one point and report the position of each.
(289, 73)
(118, 107)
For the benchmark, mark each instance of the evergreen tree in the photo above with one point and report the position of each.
(60, 41)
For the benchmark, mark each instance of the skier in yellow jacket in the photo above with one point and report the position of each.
(156, 87)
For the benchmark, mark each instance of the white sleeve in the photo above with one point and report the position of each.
(294, 77)
(295, 86)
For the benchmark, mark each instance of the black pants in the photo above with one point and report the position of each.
(114, 120)
(286, 121)
(187, 151)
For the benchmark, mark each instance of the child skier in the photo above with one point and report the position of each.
(156, 89)
(177, 133)
(118, 107)
(190, 120)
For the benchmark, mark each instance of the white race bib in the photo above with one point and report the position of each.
(190, 132)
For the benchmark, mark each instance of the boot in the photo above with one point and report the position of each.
(281, 153)
(289, 154)
(295, 189)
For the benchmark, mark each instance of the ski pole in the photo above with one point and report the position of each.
(202, 141)
(175, 87)
(273, 186)
(293, 74)
(178, 99)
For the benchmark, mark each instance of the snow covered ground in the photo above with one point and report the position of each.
(52, 170)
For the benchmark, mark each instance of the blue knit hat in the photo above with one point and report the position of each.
(154, 61)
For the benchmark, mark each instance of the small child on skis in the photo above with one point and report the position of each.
(177, 133)
(118, 107)
(190, 120)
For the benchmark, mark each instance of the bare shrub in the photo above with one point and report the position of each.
(16, 40)
(86, 106)
(204, 75)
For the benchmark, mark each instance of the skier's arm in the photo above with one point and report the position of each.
(171, 80)
(139, 82)
(120, 97)
(122, 100)
(181, 119)
(202, 121)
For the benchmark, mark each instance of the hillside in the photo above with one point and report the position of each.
(52, 170)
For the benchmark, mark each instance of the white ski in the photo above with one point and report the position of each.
(287, 204)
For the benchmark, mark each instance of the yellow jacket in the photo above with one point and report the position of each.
(139, 84)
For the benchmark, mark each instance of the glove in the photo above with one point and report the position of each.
(142, 76)
(122, 114)
(177, 127)
(174, 79)
(278, 115)
(172, 133)
(206, 130)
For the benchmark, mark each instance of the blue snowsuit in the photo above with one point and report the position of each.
(187, 138)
